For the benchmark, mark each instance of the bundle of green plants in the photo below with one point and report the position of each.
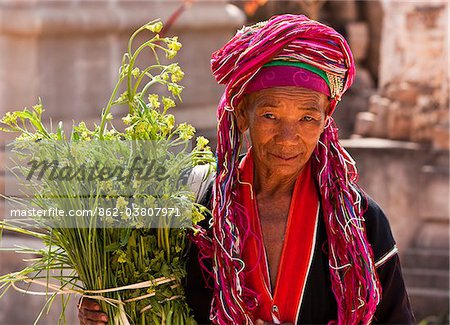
(111, 204)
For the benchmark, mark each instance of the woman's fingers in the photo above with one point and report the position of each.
(88, 322)
(89, 313)
(93, 316)
(89, 304)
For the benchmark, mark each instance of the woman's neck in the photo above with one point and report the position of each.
(269, 184)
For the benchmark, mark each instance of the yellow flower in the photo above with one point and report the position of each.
(9, 119)
(153, 99)
(149, 201)
(85, 136)
(170, 120)
(173, 44)
(165, 76)
(136, 183)
(141, 128)
(123, 97)
(112, 133)
(177, 73)
(175, 89)
(127, 119)
(121, 203)
(122, 256)
(38, 108)
(107, 186)
(202, 142)
(186, 131)
(196, 216)
(170, 54)
(81, 127)
(155, 27)
(167, 103)
(135, 73)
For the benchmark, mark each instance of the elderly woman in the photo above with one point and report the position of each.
(293, 238)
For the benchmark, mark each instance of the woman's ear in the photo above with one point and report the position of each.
(241, 113)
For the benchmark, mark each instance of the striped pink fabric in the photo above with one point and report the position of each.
(286, 76)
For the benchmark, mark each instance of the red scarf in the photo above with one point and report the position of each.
(283, 305)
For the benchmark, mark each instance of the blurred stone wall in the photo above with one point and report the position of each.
(412, 103)
(408, 172)
(68, 53)
(413, 97)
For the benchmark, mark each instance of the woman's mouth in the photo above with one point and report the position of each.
(285, 157)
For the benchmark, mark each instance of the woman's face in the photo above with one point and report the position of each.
(285, 124)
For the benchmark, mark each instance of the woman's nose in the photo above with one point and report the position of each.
(288, 134)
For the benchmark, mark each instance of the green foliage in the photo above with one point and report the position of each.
(98, 251)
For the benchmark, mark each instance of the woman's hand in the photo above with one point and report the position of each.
(89, 313)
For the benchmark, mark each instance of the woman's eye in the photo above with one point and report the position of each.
(308, 118)
(269, 116)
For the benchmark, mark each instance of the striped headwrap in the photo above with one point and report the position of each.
(355, 284)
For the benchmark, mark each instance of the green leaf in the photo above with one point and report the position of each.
(124, 236)
(112, 247)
